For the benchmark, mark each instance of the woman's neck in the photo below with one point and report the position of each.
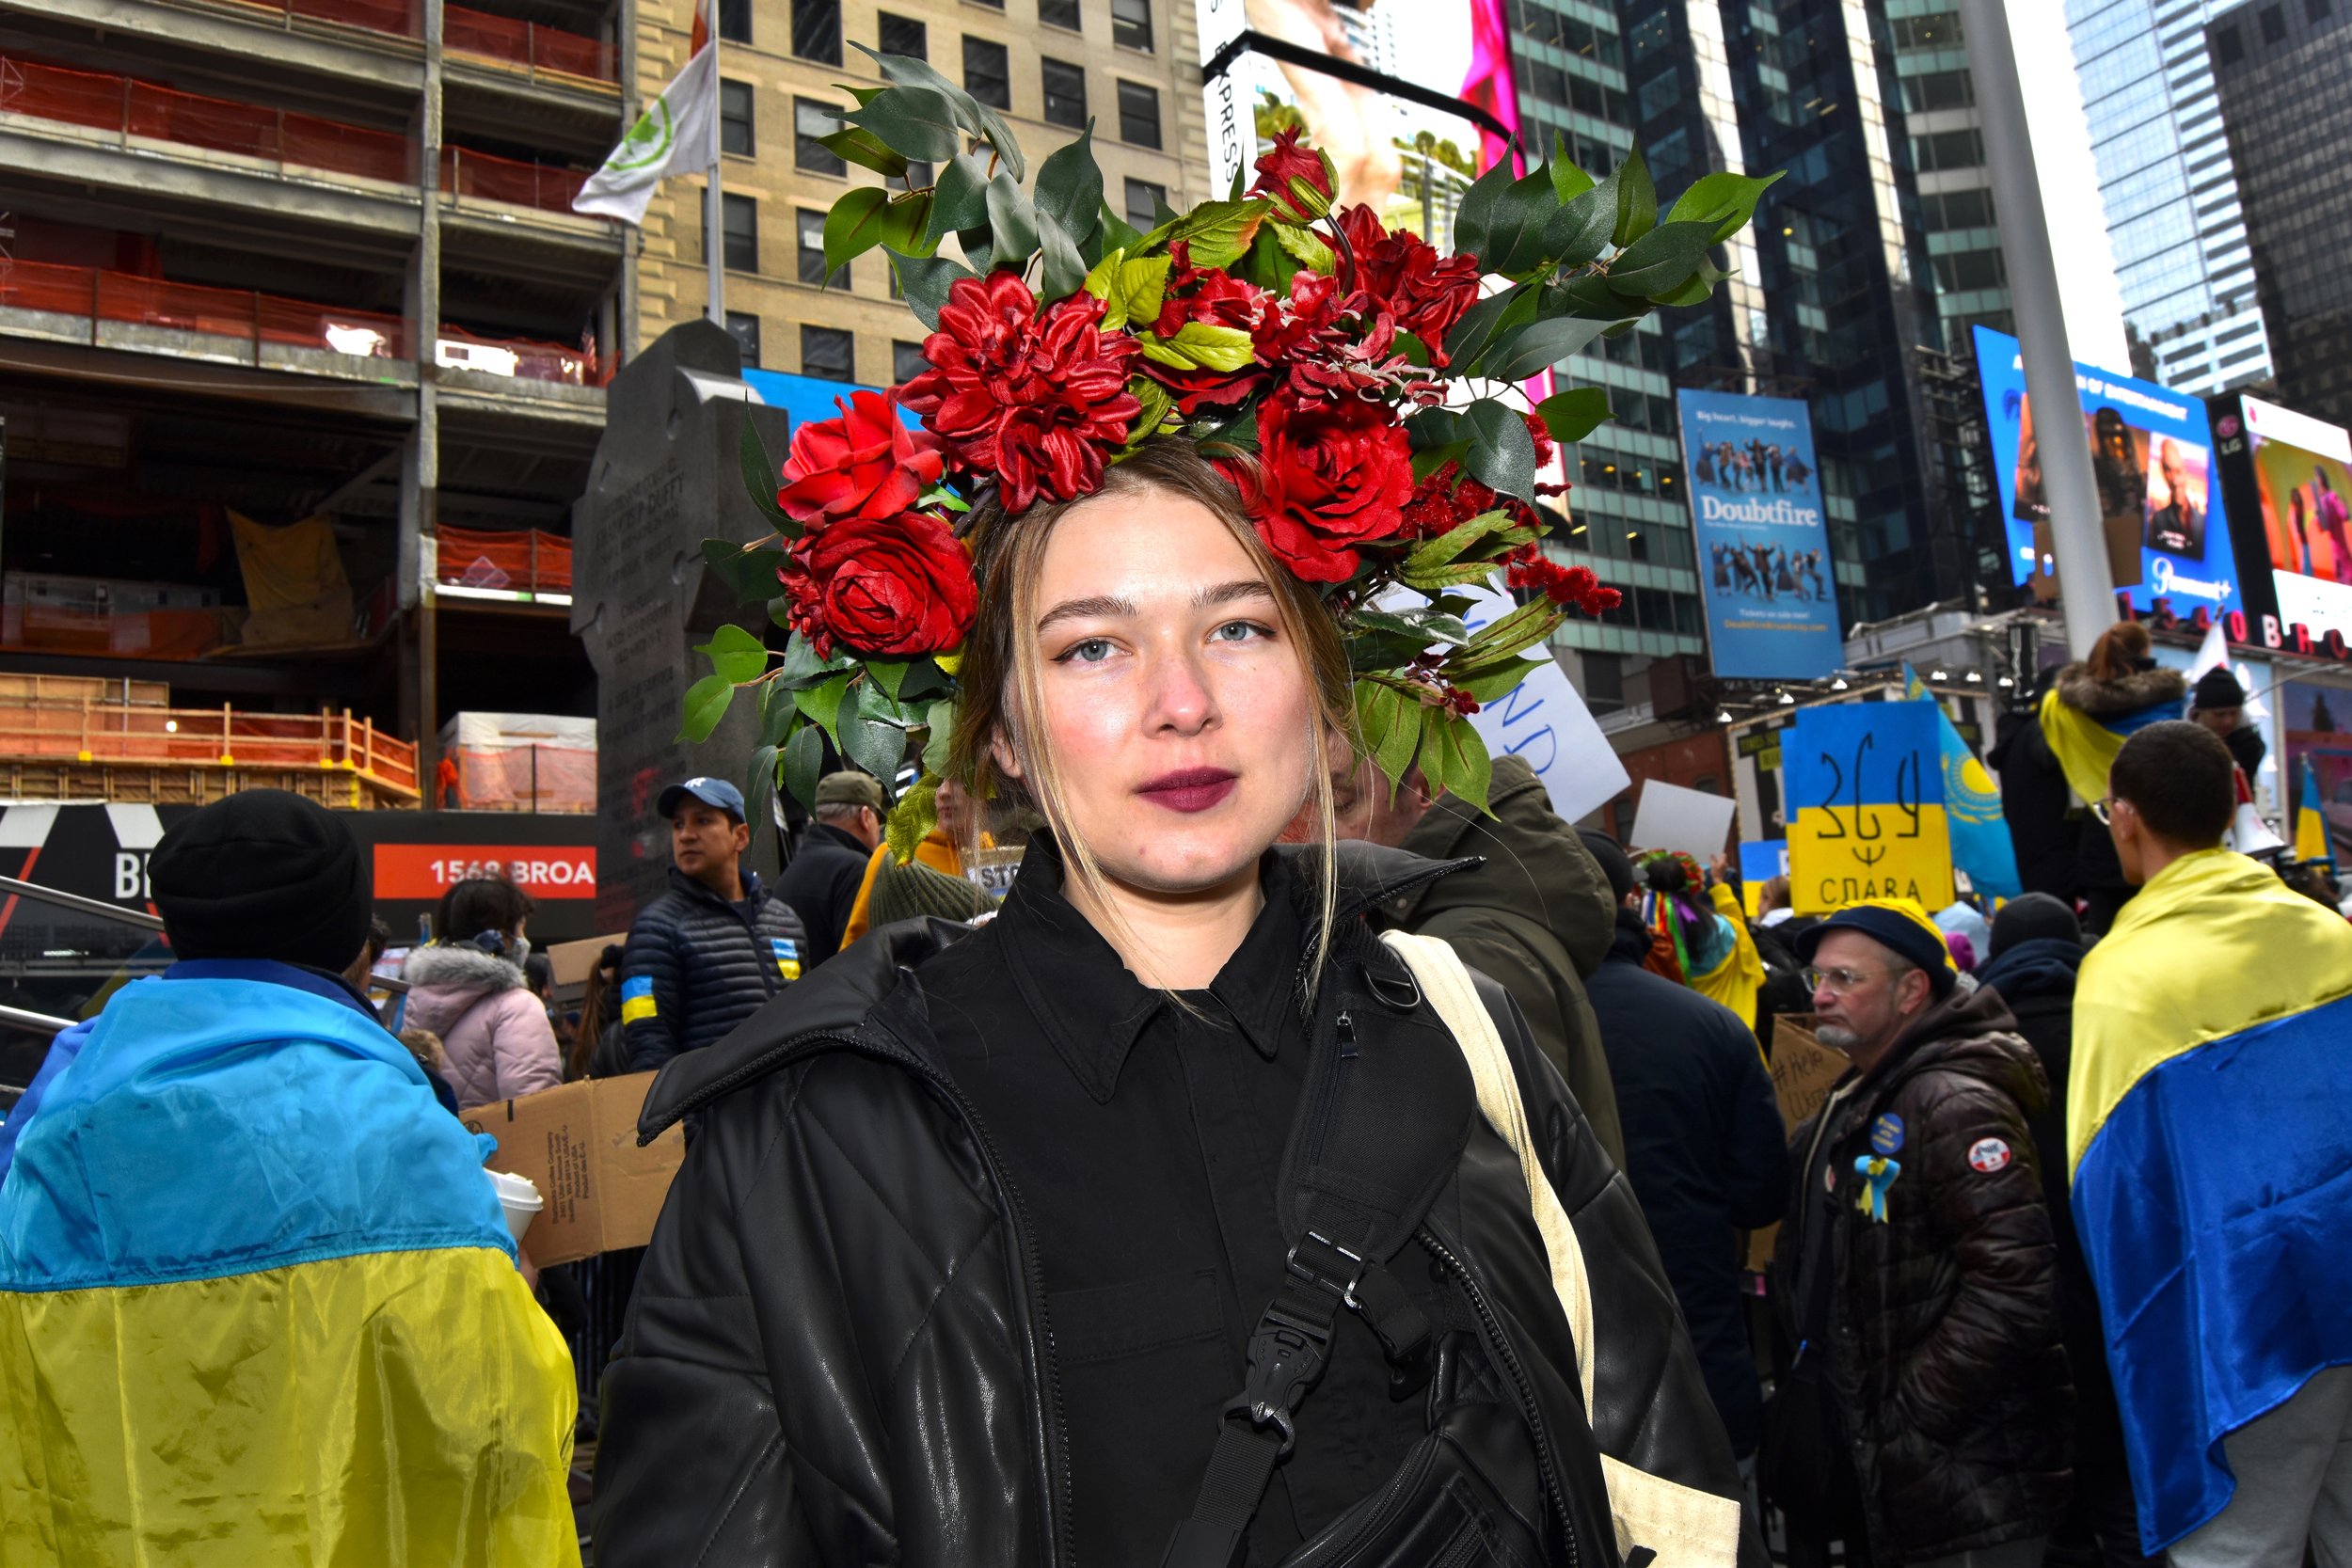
(1171, 941)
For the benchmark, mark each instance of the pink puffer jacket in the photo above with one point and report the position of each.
(495, 1033)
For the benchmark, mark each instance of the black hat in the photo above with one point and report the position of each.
(263, 873)
(1908, 936)
(2030, 915)
(2218, 687)
(1615, 863)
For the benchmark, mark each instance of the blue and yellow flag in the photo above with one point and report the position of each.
(1865, 806)
(2207, 1134)
(2311, 825)
(1972, 806)
(2086, 747)
(259, 1305)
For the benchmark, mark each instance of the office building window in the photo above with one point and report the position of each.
(992, 5)
(817, 30)
(2274, 24)
(2228, 45)
(1948, 149)
(735, 118)
(2318, 10)
(1058, 13)
(1144, 201)
(810, 260)
(1138, 114)
(828, 353)
(812, 122)
(903, 35)
(741, 235)
(1065, 93)
(1131, 24)
(744, 329)
(734, 21)
(906, 360)
(987, 72)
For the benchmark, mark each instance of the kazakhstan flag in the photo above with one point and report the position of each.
(1972, 807)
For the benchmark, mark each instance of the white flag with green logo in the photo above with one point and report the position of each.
(673, 136)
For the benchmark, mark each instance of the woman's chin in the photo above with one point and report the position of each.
(1187, 858)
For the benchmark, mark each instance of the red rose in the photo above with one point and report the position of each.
(1287, 162)
(1214, 298)
(889, 586)
(866, 464)
(1330, 477)
(1402, 270)
(1034, 402)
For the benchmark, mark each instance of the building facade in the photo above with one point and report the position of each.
(2173, 214)
(2278, 65)
(1130, 66)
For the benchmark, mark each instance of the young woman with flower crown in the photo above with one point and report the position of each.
(1162, 1218)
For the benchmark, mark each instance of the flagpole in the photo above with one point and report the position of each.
(714, 252)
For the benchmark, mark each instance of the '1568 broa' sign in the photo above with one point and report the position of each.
(428, 870)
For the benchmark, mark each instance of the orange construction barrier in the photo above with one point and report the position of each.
(100, 296)
(527, 560)
(527, 44)
(484, 177)
(522, 357)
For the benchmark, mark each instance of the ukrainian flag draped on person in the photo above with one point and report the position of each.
(2208, 1137)
(259, 1305)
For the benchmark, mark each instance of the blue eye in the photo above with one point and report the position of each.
(1094, 649)
(1239, 631)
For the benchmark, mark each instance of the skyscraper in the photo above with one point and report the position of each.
(2280, 66)
(2171, 194)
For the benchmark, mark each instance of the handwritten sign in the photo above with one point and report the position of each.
(1865, 802)
(1804, 1073)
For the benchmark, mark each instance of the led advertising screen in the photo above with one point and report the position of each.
(2302, 469)
(2160, 507)
(1763, 548)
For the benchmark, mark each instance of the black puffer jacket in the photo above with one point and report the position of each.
(1946, 1366)
(696, 966)
(839, 1318)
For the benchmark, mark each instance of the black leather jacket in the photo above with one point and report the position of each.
(838, 1353)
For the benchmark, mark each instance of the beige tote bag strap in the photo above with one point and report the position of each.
(1685, 1527)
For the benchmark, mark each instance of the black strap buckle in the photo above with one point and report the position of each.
(1319, 1261)
(1287, 1356)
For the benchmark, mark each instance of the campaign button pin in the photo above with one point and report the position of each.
(1989, 1155)
(1887, 1133)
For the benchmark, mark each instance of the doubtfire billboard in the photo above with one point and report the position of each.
(1763, 544)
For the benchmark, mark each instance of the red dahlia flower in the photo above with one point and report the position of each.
(1033, 402)
(1287, 162)
(866, 464)
(1331, 477)
(1327, 345)
(1425, 294)
(1214, 298)
(893, 587)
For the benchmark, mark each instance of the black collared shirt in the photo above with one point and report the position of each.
(1145, 1142)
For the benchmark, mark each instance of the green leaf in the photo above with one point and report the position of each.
(1236, 437)
(1495, 685)
(1485, 321)
(1218, 232)
(1064, 271)
(1537, 346)
(888, 674)
(940, 721)
(925, 281)
(1449, 544)
(1579, 230)
(905, 221)
(1724, 199)
(706, 702)
(759, 782)
(1069, 186)
(853, 225)
(821, 703)
(1156, 400)
(1523, 627)
(804, 755)
(1117, 234)
(1637, 199)
(1419, 626)
(802, 666)
(1515, 225)
(1011, 225)
(1140, 287)
(918, 123)
(1659, 262)
(1568, 181)
(912, 818)
(736, 656)
(1453, 747)
(874, 745)
(973, 114)
(860, 96)
(750, 574)
(759, 483)
(1590, 297)
(866, 149)
(1501, 453)
(958, 199)
(1572, 414)
(1471, 217)
(1389, 723)
(777, 714)
(1200, 345)
(1305, 247)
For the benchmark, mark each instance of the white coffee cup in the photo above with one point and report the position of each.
(519, 1197)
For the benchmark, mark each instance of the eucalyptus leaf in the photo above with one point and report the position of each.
(1485, 321)
(736, 656)
(925, 281)
(1501, 453)
(803, 755)
(1578, 229)
(855, 224)
(1516, 226)
(706, 702)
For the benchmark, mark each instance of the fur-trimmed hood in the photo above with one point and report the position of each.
(2114, 699)
(445, 982)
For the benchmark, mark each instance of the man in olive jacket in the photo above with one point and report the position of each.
(1537, 918)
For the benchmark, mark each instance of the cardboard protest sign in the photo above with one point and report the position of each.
(1690, 820)
(1865, 806)
(1803, 1071)
(578, 1145)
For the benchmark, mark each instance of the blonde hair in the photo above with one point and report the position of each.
(1002, 686)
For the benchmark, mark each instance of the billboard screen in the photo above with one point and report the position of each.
(2152, 453)
(2302, 472)
(1763, 548)
(2318, 724)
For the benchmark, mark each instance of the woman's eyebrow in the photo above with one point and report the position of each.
(1081, 609)
(1228, 593)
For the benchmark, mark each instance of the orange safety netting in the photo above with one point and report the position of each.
(175, 634)
(529, 560)
(109, 103)
(399, 18)
(523, 358)
(526, 43)
(116, 296)
(551, 778)
(467, 173)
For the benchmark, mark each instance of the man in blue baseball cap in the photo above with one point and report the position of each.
(704, 956)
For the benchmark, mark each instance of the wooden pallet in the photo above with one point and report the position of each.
(135, 783)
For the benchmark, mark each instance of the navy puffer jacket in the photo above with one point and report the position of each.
(696, 966)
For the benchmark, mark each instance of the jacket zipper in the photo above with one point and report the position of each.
(1501, 1345)
(1053, 1433)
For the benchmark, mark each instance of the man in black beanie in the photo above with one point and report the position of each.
(2221, 707)
(263, 875)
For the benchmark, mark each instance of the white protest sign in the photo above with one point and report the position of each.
(1545, 724)
(1672, 817)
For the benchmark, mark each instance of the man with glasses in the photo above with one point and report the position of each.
(2207, 1130)
(1917, 1274)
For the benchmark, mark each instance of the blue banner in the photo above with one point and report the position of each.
(1763, 551)
(1972, 808)
(2167, 535)
(1865, 803)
